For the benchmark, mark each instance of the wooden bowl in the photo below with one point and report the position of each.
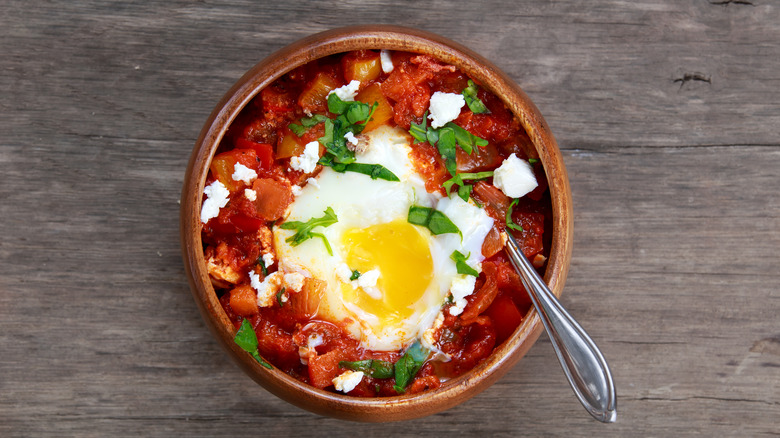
(402, 407)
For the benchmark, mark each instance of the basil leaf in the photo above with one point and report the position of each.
(373, 170)
(279, 297)
(470, 95)
(436, 221)
(446, 146)
(247, 340)
(408, 366)
(461, 265)
(355, 275)
(465, 139)
(313, 120)
(419, 132)
(533, 161)
(377, 369)
(297, 129)
(328, 137)
(464, 191)
(509, 222)
(304, 229)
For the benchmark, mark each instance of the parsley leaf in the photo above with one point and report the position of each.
(509, 222)
(470, 95)
(355, 275)
(304, 229)
(461, 265)
(434, 220)
(279, 297)
(408, 366)
(375, 171)
(247, 340)
(533, 161)
(466, 140)
(378, 369)
(306, 122)
(264, 268)
(419, 131)
(465, 190)
(446, 146)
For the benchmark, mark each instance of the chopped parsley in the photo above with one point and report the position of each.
(355, 275)
(408, 366)
(464, 190)
(303, 230)
(377, 369)
(247, 340)
(279, 297)
(509, 222)
(432, 219)
(446, 139)
(470, 95)
(461, 265)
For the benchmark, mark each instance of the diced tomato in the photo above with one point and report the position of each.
(530, 239)
(495, 201)
(362, 65)
(324, 368)
(273, 197)
(480, 300)
(275, 99)
(430, 165)
(481, 159)
(264, 151)
(505, 315)
(243, 300)
(384, 111)
(492, 243)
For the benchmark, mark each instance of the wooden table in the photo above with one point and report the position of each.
(668, 116)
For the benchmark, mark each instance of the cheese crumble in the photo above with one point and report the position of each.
(444, 108)
(217, 196)
(348, 92)
(347, 381)
(307, 161)
(515, 177)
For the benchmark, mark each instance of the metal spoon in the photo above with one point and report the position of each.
(583, 363)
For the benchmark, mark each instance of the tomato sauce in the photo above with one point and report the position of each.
(261, 140)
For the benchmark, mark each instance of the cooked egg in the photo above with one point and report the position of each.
(408, 271)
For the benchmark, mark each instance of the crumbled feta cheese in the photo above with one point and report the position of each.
(368, 279)
(266, 289)
(250, 194)
(367, 282)
(268, 259)
(386, 60)
(515, 177)
(307, 161)
(348, 92)
(313, 182)
(347, 381)
(344, 273)
(243, 173)
(444, 108)
(351, 138)
(314, 340)
(462, 286)
(296, 190)
(294, 281)
(217, 196)
(428, 339)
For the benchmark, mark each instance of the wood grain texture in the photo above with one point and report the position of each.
(668, 115)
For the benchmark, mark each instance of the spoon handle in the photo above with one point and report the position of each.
(583, 363)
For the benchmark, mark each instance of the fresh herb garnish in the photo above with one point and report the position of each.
(304, 229)
(446, 139)
(355, 275)
(533, 161)
(375, 171)
(434, 220)
(509, 222)
(408, 366)
(470, 95)
(261, 262)
(464, 191)
(247, 340)
(377, 369)
(279, 297)
(461, 265)
(306, 123)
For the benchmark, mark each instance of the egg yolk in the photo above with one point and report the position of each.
(403, 257)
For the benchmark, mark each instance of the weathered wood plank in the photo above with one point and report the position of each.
(677, 219)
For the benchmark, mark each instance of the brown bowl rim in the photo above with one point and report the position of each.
(340, 40)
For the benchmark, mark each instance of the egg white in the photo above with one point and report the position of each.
(361, 202)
